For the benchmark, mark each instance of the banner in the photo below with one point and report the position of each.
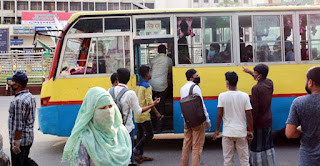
(44, 17)
(4, 42)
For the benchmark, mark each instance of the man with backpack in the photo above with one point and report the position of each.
(193, 135)
(127, 100)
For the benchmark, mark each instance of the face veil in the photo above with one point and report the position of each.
(100, 131)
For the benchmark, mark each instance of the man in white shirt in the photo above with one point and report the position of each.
(161, 67)
(193, 136)
(235, 109)
(129, 101)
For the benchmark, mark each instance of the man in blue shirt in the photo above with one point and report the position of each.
(21, 120)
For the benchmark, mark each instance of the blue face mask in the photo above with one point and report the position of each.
(211, 53)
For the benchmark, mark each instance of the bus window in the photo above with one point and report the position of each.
(189, 43)
(87, 26)
(153, 26)
(245, 33)
(102, 55)
(309, 35)
(117, 24)
(288, 38)
(217, 39)
(267, 38)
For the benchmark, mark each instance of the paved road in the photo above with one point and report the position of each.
(47, 149)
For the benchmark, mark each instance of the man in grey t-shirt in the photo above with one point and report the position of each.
(303, 120)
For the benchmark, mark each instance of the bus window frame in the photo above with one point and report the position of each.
(130, 17)
(86, 18)
(92, 35)
(308, 13)
(295, 38)
(134, 26)
(201, 15)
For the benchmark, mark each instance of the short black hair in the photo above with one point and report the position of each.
(232, 78)
(114, 78)
(162, 48)
(123, 75)
(314, 75)
(215, 46)
(262, 69)
(143, 70)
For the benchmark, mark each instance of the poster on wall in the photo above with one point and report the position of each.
(4, 34)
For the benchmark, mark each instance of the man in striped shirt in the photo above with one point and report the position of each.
(21, 120)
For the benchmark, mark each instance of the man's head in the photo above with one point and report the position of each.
(288, 46)
(114, 79)
(215, 47)
(260, 71)
(19, 81)
(144, 72)
(162, 49)
(123, 75)
(313, 80)
(192, 75)
(231, 79)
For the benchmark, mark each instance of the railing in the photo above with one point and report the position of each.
(35, 64)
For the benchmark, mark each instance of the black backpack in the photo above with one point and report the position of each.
(117, 101)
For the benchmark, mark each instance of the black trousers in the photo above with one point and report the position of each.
(22, 159)
(144, 134)
(160, 107)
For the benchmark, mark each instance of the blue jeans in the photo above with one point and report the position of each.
(132, 141)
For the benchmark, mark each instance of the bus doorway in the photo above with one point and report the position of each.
(145, 52)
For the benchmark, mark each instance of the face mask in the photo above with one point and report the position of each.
(307, 89)
(196, 80)
(211, 53)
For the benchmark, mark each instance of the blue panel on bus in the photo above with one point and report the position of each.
(280, 110)
(58, 120)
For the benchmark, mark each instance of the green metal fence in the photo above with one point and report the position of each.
(35, 64)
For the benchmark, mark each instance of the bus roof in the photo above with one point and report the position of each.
(192, 10)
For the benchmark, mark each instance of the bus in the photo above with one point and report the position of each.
(93, 45)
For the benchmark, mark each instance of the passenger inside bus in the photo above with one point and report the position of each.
(289, 53)
(248, 55)
(183, 49)
(263, 53)
(214, 55)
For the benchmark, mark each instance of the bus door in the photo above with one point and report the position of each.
(144, 51)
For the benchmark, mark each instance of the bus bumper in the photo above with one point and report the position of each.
(58, 119)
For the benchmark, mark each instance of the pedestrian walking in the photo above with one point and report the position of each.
(235, 109)
(261, 147)
(193, 136)
(143, 121)
(21, 121)
(303, 120)
(98, 136)
(128, 102)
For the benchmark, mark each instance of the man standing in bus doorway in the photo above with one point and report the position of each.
(21, 120)
(161, 67)
(235, 109)
(261, 147)
(303, 120)
(129, 101)
(193, 137)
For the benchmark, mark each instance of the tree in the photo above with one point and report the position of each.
(228, 3)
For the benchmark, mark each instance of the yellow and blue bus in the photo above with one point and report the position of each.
(94, 45)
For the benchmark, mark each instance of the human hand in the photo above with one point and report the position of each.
(16, 147)
(156, 101)
(215, 135)
(159, 116)
(250, 136)
(246, 70)
(208, 126)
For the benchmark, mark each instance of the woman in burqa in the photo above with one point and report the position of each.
(98, 136)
